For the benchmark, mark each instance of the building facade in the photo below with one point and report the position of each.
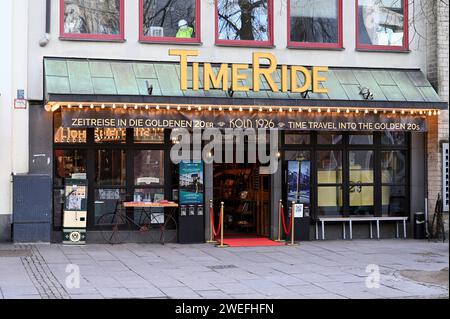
(360, 126)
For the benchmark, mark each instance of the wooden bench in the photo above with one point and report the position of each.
(350, 220)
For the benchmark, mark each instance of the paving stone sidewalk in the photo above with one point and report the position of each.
(317, 269)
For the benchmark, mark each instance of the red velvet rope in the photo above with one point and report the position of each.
(287, 231)
(211, 214)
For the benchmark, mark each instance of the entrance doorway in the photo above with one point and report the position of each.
(245, 190)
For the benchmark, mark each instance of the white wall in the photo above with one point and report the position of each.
(133, 50)
(13, 122)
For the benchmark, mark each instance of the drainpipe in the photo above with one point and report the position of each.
(46, 38)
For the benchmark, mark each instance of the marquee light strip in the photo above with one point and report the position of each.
(52, 107)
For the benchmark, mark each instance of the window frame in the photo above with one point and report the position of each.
(92, 37)
(245, 43)
(148, 39)
(386, 48)
(316, 45)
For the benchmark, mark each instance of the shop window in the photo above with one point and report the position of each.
(382, 24)
(360, 138)
(393, 167)
(148, 194)
(110, 167)
(394, 200)
(297, 138)
(149, 135)
(329, 183)
(170, 20)
(394, 183)
(110, 135)
(92, 20)
(361, 179)
(149, 167)
(329, 138)
(108, 200)
(393, 138)
(244, 22)
(315, 23)
(67, 163)
(65, 135)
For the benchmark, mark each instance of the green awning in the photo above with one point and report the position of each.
(88, 77)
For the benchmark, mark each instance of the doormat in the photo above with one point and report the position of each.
(251, 242)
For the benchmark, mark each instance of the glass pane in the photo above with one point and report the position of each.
(329, 167)
(393, 167)
(380, 22)
(361, 139)
(110, 167)
(243, 20)
(297, 155)
(66, 135)
(68, 162)
(329, 138)
(329, 200)
(394, 201)
(58, 207)
(299, 181)
(169, 18)
(92, 17)
(314, 21)
(149, 135)
(149, 167)
(108, 135)
(361, 200)
(393, 138)
(361, 167)
(148, 194)
(298, 138)
(107, 200)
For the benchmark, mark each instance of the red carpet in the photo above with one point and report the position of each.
(251, 242)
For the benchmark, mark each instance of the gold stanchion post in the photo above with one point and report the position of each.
(280, 207)
(211, 224)
(292, 243)
(221, 245)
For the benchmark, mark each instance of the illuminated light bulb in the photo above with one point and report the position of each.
(319, 110)
(347, 111)
(250, 109)
(189, 108)
(260, 109)
(125, 106)
(328, 110)
(309, 110)
(438, 112)
(231, 109)
(403, 112)
(270, 109)
(357, 111)
(210, 108)
(220, 108)
(429, 112)
(135, 106)
(103, 106)
(290, 109)
(420, 112)
(411, 112)
(338, 110)
(278, 154)
(366, 111)
(384, 111)
(199, 108)
(92, 106)
(393, 112)
(375, 111)
(168, 107)
(178, 107)
(434, 112)
(114, 106)
(157, 107)
(69, 106)
(80, 106)
(300, 109)
(281, 109)
(240, 109)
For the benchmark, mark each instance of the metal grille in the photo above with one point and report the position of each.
(445, 168)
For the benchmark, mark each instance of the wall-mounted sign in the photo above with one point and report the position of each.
(233, 76)
(93, 118)
(20, 104)
(191, 183)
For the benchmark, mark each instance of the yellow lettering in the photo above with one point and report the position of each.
(236, 77)
(266, 72)
(317, 79)
(307, 76)
(183, 54)
(284, 78)
(209, 77)
(195, 76)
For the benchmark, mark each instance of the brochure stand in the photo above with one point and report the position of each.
(75, 212)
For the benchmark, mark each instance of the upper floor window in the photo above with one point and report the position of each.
(92, 19)
(170, 20)
(244, 22)
(315, 23)
(382, 24)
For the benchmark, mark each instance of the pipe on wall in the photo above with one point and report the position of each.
(48, 10)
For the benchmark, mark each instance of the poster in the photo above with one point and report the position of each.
(298, 179)
(293, 181)
(191, 182)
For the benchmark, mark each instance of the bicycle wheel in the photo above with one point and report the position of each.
(114, 227)
(163, 228)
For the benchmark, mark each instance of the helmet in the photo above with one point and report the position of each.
(182, 23)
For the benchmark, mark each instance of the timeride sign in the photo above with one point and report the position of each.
(170, 119)
(232, 76)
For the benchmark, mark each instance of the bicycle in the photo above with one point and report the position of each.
(117, 226)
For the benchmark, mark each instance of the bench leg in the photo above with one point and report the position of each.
(351, 229)
(378, 229)
(396, 230)
(404, 229)
(343, 230)
(317, 231)
(323, 230)
(370, 229)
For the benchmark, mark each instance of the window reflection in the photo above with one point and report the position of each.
(68, 162)
(329, 200)
(107, 200)
(393, 166)
(329, 138)
(329, 167)
(110, 167)
(298, 138)
(149, 167)
(360, 139)
(393, 138)
(394, 201)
